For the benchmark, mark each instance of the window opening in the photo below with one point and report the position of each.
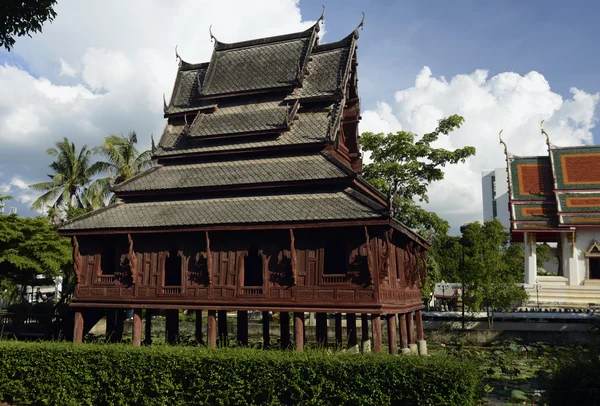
(594, 268)
(173, 268)
(108, 262)
(253, 268)
(335, 258)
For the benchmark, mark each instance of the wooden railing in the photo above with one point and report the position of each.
(171, 290)
(336, 278)
(106, 278)
(251, 291)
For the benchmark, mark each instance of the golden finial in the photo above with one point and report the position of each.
(503, 143)
(545, 133)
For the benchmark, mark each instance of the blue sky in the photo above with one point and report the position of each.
(85, 78)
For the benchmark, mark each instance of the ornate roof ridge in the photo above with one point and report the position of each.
(223, 46)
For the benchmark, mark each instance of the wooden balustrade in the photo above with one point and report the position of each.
(336, 278)
(253, 291)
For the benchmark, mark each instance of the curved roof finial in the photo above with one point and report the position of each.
(545, 133)
(361, 25)
(165, 107)
(177, 53)
(322, 15)
(212, 37)
(503, 143)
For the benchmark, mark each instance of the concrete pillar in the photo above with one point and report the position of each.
(137, 328)
(322, 329)
(284, 324)
(212, 329)
(376, 329)
(78, 327)
(574, 276)
(242, 327)
(266, 330)
(299, 330)
(338, 330)
(198, 329)
(148, 327)
(529, 248)
(391, 327)
(352, 337)
(364, 327)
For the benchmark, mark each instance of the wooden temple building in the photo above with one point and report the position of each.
(555, 198)
(256, 203)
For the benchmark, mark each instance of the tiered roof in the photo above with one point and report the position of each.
(555, 192)
(265, 134)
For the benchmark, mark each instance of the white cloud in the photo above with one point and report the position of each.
(506, 101)
(66, 69)
(19, 184)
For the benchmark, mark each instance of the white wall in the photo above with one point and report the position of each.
(499, 176)
(584, 238)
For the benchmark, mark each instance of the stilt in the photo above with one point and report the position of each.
(338, 330)
(172, 325)
(391, 327)
(299, 331)
(242, 327)
(212, 329)
(403, 334)
(322, 329)
(119, 326)
(410, 326)
(137, 327)
(111, 323)
(284, 324)
(364, 327)
(198, 330)
(148, 327)
(78, 327)
(421, 343)
(223, 339)
(351, 330)
(266, 330)
(376, 328)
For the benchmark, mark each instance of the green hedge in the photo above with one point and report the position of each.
(575, 382)
(102, 374)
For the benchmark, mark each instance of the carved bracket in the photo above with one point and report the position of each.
(385, 255)
(132, 257)
(369, 257)
(209, 263)
(293, 259)
(77, 260)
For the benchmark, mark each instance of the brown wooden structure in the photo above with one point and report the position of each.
(256, 203)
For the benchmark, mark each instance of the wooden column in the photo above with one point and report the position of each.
(111, 323)
(266, 330)
(392, 339)
(119, 326)
(172, 325)
(351, 329)
(419, 317)
(410, 326)
(148, 327)
(78, 327)
(338, 330)
(299, 331)
(212, 329)
(364, 329)
(137, 327)
(403, 334)
(198, 330)
(222, 320)
(284, 324)
(322, 329)
(376, 328)
(242, 327)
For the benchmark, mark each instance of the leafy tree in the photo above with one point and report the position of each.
(30, 247)
(73, 172)
(493, 268)
(3, 199)
(404, 166)
(22, 17)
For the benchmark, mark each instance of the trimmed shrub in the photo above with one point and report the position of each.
(103, 374)
(575, 382)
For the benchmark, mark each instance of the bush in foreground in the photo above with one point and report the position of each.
(575, 382)
(102, 374)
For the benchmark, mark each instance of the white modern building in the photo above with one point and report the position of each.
(494, 186)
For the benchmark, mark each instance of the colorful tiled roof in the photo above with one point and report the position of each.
(576, 168)
(531, 178)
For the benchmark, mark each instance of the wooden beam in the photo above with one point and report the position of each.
(351, 330)
(364, 327)
(78, 327)
(293, 258)
(266, 329)
(419, 317)
(376, 328)
(403, 333)
(222, 327)
(209, 259)
(111, 323)
(198, 329)
(148, 327)
(172, 325)
(119, 326)
(322, 329)
(299, 331)
(212, 329)
(338, 330)
(242, 327)
(284, 324)
(392, 339)
(137, 327)
(410, 326)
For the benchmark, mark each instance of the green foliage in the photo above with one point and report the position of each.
(67, 374)
(404, 167)
(492, 268)
(22, 17)
(30, 247)
(575, 382)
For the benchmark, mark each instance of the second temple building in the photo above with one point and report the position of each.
(256, 203)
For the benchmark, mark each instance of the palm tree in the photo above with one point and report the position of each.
(123, 159)
(73, 173)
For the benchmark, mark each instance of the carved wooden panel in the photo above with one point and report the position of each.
(343, 294)
(305, 294)
(325, 294)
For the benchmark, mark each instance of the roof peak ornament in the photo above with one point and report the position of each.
(212, 37)
(546, 134)
(177, 56)
(361, 25)
(503, 143)
(322, 16)
(165, 107)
